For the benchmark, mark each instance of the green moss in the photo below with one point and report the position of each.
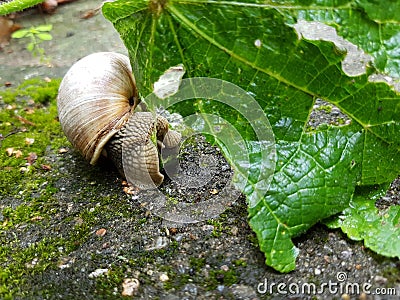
(28, 127)
(240, 263)
(22, 213)
(341, 121)
(28, 124)
(197, 263)
(142, 221)
(105, 284)
(252, 238)
(326, 108)
(310, 129)
(176, 281)
(220, 277)
(171, 201)
(392, 274)
(36, 89)
(25, 261)
(219, 228)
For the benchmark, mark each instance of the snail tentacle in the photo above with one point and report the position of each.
(168, 138)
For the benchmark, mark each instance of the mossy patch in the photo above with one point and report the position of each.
(28, 130)
(327, 108)
(28, 124)
(39, 90)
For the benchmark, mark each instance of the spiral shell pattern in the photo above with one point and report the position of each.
(95, 99)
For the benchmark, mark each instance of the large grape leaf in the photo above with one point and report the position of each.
(252, 44)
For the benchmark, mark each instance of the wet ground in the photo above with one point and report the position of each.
(74, 37)
(216, 259)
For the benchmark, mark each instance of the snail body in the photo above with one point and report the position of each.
(96, 107)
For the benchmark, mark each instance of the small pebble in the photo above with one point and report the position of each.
(380, 279)
(32, 263)
(164, 277)
(181, 269)
(178, 237)
(214, 191)
(159, 243)
(65, 262)
(130, 286)
(363, 296)
(191, 289)
(29, 141)
(97, 273)
(208, 228)
(225, 168)
(10, 151)
(234, 230)
(345, 297)
(241, 291)
(173, 230)
(346, 254)
(101, 232)
(225, 268)
(62, 150)
(335, 111)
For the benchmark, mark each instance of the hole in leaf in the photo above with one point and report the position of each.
(326, 113)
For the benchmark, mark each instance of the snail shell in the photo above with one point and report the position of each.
(96, 100)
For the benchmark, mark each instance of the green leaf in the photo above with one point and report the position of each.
(44, 36)
(20, 33)
(17, 5)
(30, 46)
(380, 230)
(314, 179)
(253, 45)
(44, 28)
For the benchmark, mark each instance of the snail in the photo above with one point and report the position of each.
(96, 107)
